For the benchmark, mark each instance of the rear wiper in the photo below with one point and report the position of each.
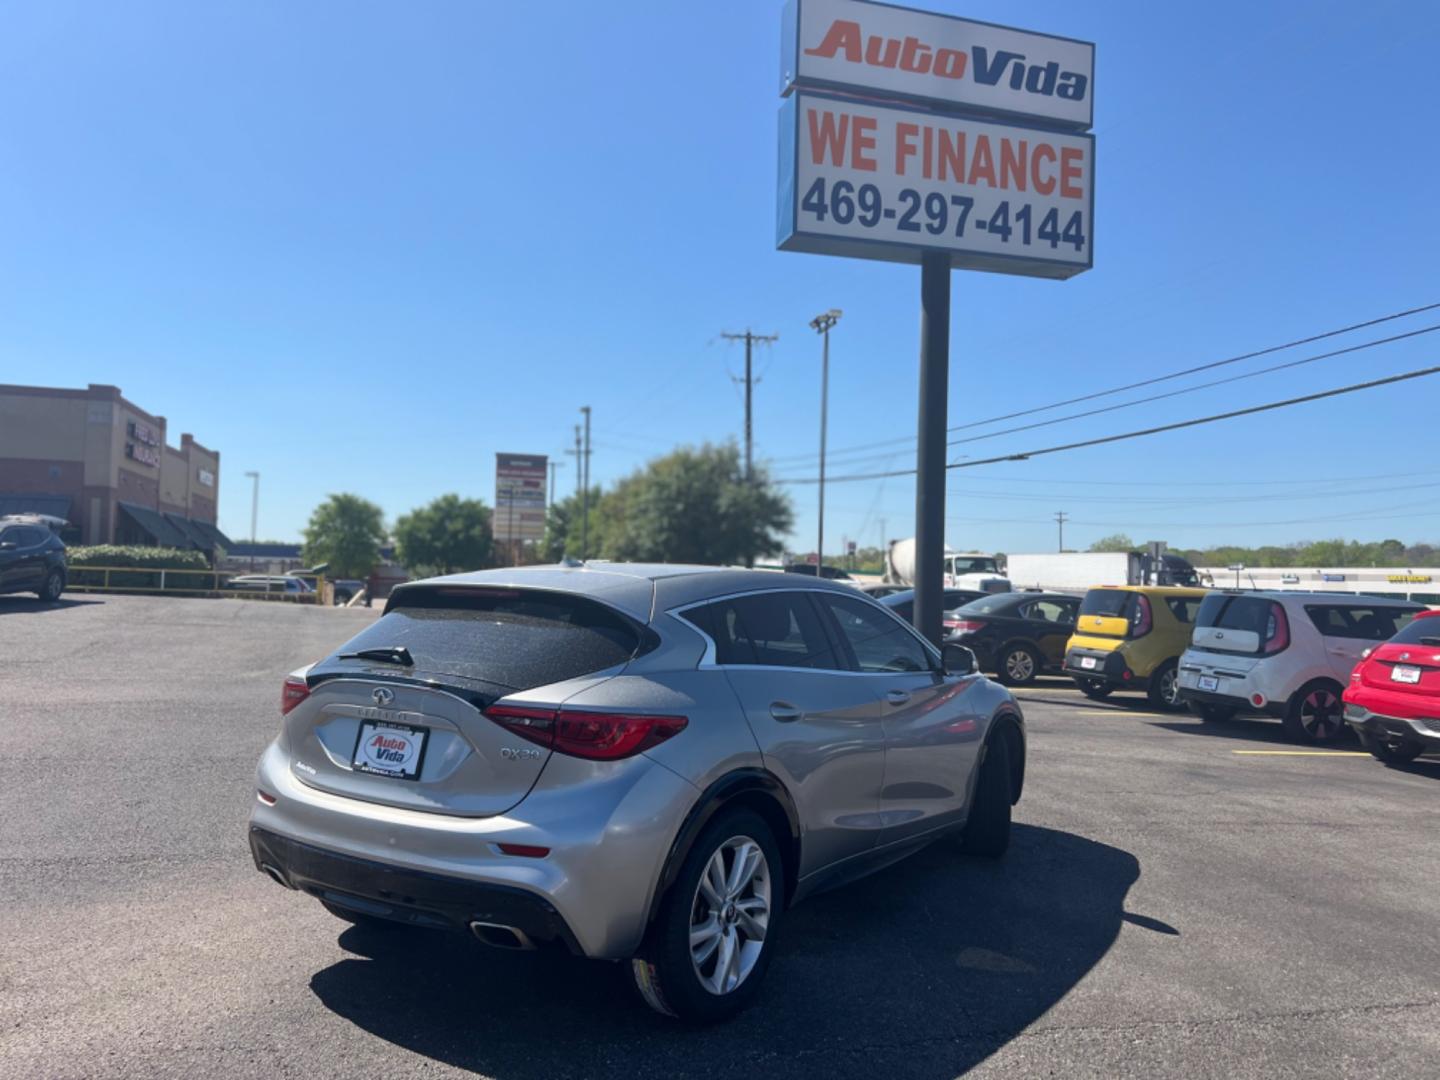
(389, 654)
(1430, 641)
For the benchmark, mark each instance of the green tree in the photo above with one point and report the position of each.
(1117, 542)
(448, 535)
(694, 506)
(562, 528)
(345, 531)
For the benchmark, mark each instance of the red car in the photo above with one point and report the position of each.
(1393, 700)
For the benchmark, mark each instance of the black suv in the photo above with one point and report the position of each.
(1017, 635)
(32, 557)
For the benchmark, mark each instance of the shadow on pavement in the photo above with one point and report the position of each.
(15, 603)
(923, 970)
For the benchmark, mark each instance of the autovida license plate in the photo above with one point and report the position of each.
(1405, 673)
(386, 749)
(1209, 682)
(1087, 662)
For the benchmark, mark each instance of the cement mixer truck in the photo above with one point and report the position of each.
(963, 570)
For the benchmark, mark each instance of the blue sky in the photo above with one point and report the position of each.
(363, 247)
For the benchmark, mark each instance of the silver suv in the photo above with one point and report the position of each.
(1288, 654)
(647, 763)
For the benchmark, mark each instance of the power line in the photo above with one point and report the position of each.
(1199, 386)
(1026, 455)
(750, 340)
(793, 458)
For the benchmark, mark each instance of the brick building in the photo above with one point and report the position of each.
(106, 466)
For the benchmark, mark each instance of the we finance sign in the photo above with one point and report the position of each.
(890, 182)
(880, 50)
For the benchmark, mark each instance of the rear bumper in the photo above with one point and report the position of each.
(409, 896)
(1109, 667)
(1425, 731)
(1206, 697)
(607, 841)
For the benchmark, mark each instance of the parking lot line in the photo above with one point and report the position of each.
(1123, 712)
(1303, 753)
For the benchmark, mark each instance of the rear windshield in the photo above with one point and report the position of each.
(1424, 631)
(990, 605)
(515, 639)
(1108, 602)
(1236, 613)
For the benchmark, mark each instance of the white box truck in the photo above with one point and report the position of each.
(1076, 571)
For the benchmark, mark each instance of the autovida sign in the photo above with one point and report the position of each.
(945, 168)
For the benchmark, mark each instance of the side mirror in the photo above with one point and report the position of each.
(959, 660)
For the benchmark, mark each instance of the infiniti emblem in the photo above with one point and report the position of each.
(382, 696)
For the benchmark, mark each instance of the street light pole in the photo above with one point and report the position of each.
(821, 324)
(254, 512)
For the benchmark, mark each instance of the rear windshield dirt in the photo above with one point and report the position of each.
(515, 639)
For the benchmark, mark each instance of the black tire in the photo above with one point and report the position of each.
(987, 830)
(1392, 751)
(52, 588)
(664, 972)
(1163, 690)
(1017, 665)
(359, 918)
(1213, 714)
(1095, 689)
(1315, 714)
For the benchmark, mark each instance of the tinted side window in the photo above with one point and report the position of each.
(1184, 608)
(878, 643)
(25, 536)
(776, 629)
(1051, 611)
(1364, 623)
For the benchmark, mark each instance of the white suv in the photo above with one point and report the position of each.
(1288, 654)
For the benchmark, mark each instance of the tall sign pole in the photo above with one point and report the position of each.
(915, 137)
(930, 456)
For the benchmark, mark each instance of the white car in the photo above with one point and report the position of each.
(1287, 654)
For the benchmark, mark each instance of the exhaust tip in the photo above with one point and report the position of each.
(275, 875)
(498, 936)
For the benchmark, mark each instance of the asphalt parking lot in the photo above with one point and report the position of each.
(1180, 900)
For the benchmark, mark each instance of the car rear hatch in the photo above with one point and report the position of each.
(1404, 668)
(1106, 614)
(1234, 632)
(398, 715)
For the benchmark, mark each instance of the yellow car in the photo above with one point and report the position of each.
(1130, 637)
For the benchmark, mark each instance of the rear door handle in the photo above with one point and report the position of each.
(897, 697)
(784, 712)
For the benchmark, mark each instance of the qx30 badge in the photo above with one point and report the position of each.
(382, 696)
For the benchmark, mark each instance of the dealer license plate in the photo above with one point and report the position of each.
(1209, 682)
(1087, 662)
(386, 749)
(1405, 673)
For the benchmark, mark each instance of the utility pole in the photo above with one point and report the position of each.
(550, 491)
(821, 324)
(750, 340)
(1060, 518)
(585, 491)
(254, 513)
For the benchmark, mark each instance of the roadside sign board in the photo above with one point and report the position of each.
(520, 497)
(940, 60)
(885, 182)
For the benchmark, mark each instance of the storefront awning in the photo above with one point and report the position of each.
(51, 505)
(154, 525)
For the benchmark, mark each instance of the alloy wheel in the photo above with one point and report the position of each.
(1020, 665)
(1320, 714)
(730, 914)
(1170, 688)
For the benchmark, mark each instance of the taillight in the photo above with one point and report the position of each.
(593, 735)
(966, 626)
(1144, 620)
(1277, 635)
(292, 691)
